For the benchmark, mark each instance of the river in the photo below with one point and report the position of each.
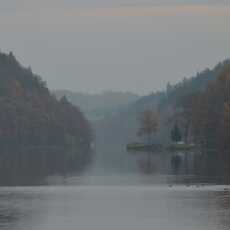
(115, 202)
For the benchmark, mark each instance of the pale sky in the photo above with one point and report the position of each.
(122, 45)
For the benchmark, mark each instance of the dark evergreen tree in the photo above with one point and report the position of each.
(176, 133)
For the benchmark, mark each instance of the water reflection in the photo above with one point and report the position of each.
(135, 206)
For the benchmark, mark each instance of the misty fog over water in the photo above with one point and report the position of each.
(115, 207)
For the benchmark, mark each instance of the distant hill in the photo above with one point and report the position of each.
(39, 135)
(98, 106)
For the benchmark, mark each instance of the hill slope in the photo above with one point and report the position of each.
(39, 135)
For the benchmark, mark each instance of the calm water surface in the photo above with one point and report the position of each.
(99, 204)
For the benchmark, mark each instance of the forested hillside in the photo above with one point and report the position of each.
(208, 119)
(189, 85)
(173, 105)
(39, 135)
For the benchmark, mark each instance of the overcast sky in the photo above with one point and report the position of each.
(125, 45)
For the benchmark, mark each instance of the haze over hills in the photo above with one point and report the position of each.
(99, 106)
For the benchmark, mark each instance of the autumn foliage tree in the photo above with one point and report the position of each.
(149, 122)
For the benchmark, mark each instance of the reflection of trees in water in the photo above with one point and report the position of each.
(8, 218)
(147, 167)
(223, 199)
(222, 202)
(194, 165)
(176, 163)
(15, 206)
(166, 163)
(8, 213)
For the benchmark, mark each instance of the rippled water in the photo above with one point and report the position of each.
(147, 204)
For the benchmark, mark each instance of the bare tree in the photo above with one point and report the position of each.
(149, 122)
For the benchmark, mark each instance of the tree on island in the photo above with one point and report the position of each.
(176, 133)
(149, 122)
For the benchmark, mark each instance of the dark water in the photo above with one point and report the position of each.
(115, 202)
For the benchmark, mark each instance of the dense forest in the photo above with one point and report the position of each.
(39, 135)
(206, 115)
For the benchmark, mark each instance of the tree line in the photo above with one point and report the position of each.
(39, 135)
